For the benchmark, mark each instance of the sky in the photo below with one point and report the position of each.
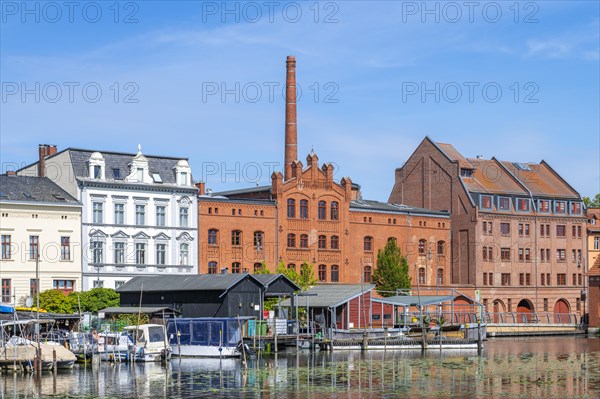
(204, 80)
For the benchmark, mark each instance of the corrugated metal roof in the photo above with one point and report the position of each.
(201, 282)
(33, 189)
(330, 295)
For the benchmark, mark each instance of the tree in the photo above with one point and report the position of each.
(263, 269)
(592, 203)
(96, 299)
(289, 273)
(306, 278)
(56, 301)
(392, 270)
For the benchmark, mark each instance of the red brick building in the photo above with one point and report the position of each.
(307, 216)
(518, 229)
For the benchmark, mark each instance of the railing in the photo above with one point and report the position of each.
(536, 318)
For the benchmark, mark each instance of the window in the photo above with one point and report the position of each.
(183, 217)
(561, 255)
(116, 173)
(140, 253)
(98, 284)
(505, 228)
(367, 274)
(505, 278)
(334, 210)
(486, 202)
(258, 239)
(304, 241)
(335, 242)
(291, 266)
(291, 208)
(322, 210)
(487, 228)
(65, 248)
(543, 279)
(544, 206)
(119, 284)
(575, 208)
(6, 289)
(183, 178)
(33, 287)
(140, 215)
(579, 279)
(465, 172)
(524, 229)
(291, 240)
(184, 254)
(485, 275)
(303, 209)
(574, 231)
(560, 206)
(596, 243)
(97, 171)
(392, 240)
(421, 275)
(490, 278)
(490, 258)
(212, 236)
(119, 214)
(527, 255)
(236, 238)
(236, 267)
(440, 277)
(322, 273)
(97, 211)
(521, 256)
(548, 279)
(485, 253)
(119, 248)
(322, 242)
(578, 231)
(368, 244)
(257, 267)
(161, 254)
(520, 229)
(160, 215)
(212, 267)
(65, 286)
(523, 204)
(505, 254)
(545, 304)
(335, 273)
(574, 278)
(504, 204)
(97, 252)
(527, 229)
(561, 279)
(422, 245)
(6, 250)
(140, 175)
(34, 247)
(521, 278)
(574, 255)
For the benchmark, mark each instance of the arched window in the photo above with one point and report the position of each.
(322, 273)
(441, 247)
(440, 277)
(421, 275)
(322, 242)
(368, 244)
(392, 239)
(257, 267)
(422, 245)
(291, 266)
(367, 274)
(236, 267)
(212, 267)
(291, 208)
(335, 273)
(213, 236)
(335, 242)
(259, 239)
(291, 240)
(304, 241)
(322, 214)
(236, 237)
(303, 209)
(335, 210)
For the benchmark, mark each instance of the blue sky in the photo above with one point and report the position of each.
(519, 82)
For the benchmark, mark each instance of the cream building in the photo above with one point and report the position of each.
(40, 224)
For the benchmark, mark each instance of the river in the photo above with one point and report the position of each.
(533, 367)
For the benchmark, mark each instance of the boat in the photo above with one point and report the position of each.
(82, 345)
(113, 346)
(206, 336)
(149, 343)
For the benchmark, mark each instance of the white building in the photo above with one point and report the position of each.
(139, 212)
(40, 225)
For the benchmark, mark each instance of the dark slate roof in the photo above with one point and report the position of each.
(33, 189)
(150, 310)
(121, 160)
(250, 190)
(199, 282)
(376, 206)
(330, 295)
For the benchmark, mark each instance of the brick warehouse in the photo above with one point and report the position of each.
(306, 216)
(519, 230)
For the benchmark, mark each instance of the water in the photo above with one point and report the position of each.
(558, 367)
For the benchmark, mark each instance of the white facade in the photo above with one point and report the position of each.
(51, 230)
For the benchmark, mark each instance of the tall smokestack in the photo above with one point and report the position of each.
(291, 130)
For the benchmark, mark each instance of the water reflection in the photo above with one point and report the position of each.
(544, 367)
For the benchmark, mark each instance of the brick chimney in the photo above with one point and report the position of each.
(291, 131)
(201, 186)
(44, 151)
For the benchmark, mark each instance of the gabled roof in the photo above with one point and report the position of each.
(454, 155)
(541, 180)
(331, 295)
(268, 279)
(200, 282)
(33, 189)
(489, 176)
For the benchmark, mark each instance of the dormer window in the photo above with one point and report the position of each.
(156, 177)
(140, 175)
(183, 178)
(183, 173)
(96, 166)
(523, 204)
(486, 202)
(465, 172)
(575, 208)
(97, 171)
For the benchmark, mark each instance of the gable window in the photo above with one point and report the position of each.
(140, 215)
(322, 210)
(291, 240)
(334, 210)
(335, 273)
(335, 242)
(212, 236)
(291, 208)
(503, 203)
(486, 202)
(303, 209)
(368, 244)
(97, 210)
(184, 254)
(65, 248)
(6, 250)
(544, 206)
(140, 253)
(523, 204)
(212, 267)
(183, 217)
(322, 273)
(160, 215)
(304, 241)
(119, 213)
(161, 254)
(322, 242)
(119, 252)
(560, 206)
(236, 238)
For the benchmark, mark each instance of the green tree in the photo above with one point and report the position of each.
(392, 270)
(289, 273)
(306, 278)
(592, 203)
(55, 301)
(263, 269)
(96, 299)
